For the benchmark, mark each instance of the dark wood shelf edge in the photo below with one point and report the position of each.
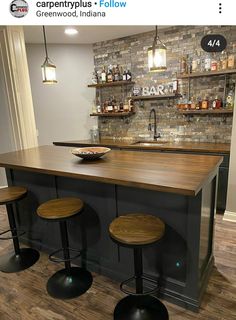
(171, 96)
(192, 112)
(111, 84)
(206, 74)
(117, 114)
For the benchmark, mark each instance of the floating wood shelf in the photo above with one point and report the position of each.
(155, 97)
(113, 114)
(199, 112)
(206, 74)
(111, 84)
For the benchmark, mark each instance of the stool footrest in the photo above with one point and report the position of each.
(126, 282)
(20, 233)
(59, 260)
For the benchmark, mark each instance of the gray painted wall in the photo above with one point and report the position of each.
(6, 138)
(62, 110)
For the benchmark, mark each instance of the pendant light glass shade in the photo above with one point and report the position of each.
(48, 68)
(48, 72)
(157, 55)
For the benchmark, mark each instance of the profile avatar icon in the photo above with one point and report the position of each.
(19, 8)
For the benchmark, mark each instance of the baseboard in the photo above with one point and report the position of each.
(1, 187)
(229, 216)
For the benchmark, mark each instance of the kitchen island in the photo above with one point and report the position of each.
(179, 188)
(182, 147)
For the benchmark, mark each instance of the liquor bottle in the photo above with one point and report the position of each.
(208, 62)
(117, 73)
(205, 103)
(195, 62)
(216, 104)
(232, 58)
(104, 75)
(183, 64)
(199, 103)
(128, 75)
(214, 63)
(113, 72)
(110, 106)
(109, 74)
(121, 73)
(124, 75)
(193, 103)
(224, 60)
(230, 98)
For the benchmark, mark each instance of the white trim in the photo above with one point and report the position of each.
(16, 74)
(1, 187)
(229, 216)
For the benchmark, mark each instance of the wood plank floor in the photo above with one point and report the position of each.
(23, 295)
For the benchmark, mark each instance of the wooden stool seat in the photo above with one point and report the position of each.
(10, 194)
(137, 229)
(60, 208)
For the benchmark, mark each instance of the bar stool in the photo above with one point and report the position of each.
(69, 282)
(137, 231)
(20, 259)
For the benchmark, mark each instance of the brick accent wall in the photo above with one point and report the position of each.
(132, 52)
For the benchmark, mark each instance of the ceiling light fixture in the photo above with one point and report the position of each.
(71, 31)
(157, 55)
(48, 68)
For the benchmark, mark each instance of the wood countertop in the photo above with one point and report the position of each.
(176, 173)
(204, 147)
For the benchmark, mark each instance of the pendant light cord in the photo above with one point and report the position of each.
(45, 42)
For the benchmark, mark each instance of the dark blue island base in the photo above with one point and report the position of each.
(181, 262)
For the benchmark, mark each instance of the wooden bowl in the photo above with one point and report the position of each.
(90, 153)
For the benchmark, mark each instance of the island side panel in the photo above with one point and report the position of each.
(88, 231)
(41, 188)
(169, 257)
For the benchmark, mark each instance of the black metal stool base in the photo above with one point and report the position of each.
(64, 286)
(140, 308)
(11, 262)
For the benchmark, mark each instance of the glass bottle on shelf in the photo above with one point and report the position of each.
(110, 105)
(214, 63)
(232, 58)
(124, 75)
(109, 74)
(195, 62)
(205, 103)
(208, 62)
(117, 73)
(223, 60)
(230, 97)
(199, 103)
(216, 104)
(121, 73)
(104, 75)
(128, 75)
(113, 73)
(193, 103)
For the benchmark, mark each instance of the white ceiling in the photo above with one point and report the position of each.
(86, 34)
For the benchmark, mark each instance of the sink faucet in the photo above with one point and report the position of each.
(156, 135)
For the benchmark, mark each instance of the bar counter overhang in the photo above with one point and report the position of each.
(178, 188)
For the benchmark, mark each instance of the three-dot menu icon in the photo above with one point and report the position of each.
(220, 7)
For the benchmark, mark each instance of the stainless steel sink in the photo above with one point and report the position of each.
(149, 143)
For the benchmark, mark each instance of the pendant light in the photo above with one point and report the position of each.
(48, 68)
(157, 55)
